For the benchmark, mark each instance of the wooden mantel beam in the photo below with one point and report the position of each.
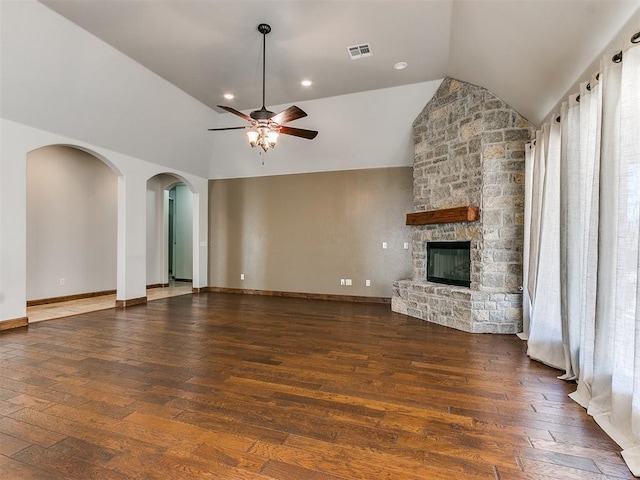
(446, 215)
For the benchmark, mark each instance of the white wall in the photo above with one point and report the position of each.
(16, 142)
(59, 78)
(61, 86)
(72, 205)
(362, 130)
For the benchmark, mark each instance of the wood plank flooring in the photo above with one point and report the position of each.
(247, 387)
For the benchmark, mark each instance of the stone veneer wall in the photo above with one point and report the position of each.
(469, 150)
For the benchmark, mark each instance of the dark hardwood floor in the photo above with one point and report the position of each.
(248, 387)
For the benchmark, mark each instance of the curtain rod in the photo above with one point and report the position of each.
(617, 58)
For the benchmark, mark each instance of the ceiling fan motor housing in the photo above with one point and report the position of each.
(264, 28)
(262, 114)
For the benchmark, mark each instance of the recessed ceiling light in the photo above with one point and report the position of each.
(306, 83)
(401, 65)
(229, 96)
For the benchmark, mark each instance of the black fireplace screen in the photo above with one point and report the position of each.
(449, 263)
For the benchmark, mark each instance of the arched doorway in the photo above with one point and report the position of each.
(170, 244)
(72, 209)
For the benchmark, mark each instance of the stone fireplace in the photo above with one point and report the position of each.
(469, 157)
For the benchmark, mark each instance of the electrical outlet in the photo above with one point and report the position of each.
(342, 282)
(367, 283)
(406, 245)
(62, 281)
(348, 281)
(242, 276)
(384, 245)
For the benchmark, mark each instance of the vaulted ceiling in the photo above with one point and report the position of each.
(528, 52)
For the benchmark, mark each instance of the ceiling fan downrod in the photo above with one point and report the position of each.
(264, 29)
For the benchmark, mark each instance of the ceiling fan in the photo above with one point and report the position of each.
(266, 125)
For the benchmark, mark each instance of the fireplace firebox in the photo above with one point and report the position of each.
(449, 263)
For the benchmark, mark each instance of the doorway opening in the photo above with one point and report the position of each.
(170, 250)
(171, 238)
(180, 234)
(72, 210)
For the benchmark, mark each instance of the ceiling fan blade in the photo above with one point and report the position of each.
(288, 115)
(299, 132)
(236, 112)
(226, 128)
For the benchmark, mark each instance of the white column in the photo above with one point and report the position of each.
(132, 245)
(200, 236)
(13, 229)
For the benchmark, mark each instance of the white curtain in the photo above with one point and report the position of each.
(545, 334)
(581, 260)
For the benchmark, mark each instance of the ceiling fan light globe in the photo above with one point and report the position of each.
(253, 137)
(273, 138)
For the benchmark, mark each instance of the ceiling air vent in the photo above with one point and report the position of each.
(359, 51)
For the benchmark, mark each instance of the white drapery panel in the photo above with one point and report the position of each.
(582, 248)
(545, 334)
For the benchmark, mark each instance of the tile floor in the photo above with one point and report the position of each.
(50, 311)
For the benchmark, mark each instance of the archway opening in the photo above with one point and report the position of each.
(72, 210)
(170, 247)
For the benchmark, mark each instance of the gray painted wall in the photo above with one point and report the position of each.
(303, 233)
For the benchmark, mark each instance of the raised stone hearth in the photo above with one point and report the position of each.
(469, 150)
